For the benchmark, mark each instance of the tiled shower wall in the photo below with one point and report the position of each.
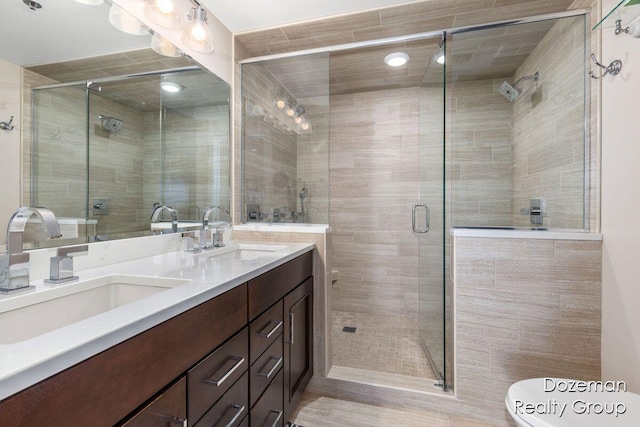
(374, 184)
(503, 154)
(278, 162)
(548, 129)
(525, 308)
(480, 153)
(186, 162)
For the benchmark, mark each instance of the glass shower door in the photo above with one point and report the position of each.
(429, 218)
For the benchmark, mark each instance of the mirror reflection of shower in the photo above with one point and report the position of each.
(512, 91)
(303, 195)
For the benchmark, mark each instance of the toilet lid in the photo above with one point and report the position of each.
(557, 402)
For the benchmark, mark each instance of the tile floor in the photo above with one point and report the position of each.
(319, 411)
(381, 343)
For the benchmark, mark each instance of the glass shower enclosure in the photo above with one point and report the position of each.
(478, 125)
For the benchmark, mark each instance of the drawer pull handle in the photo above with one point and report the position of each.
(291, 320)
(218, 382)
(273, 369)
(272, 331)
(174, 420)
(239, 410)
(277, 420)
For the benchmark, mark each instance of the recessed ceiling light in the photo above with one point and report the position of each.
(396, 59)
(170, 87)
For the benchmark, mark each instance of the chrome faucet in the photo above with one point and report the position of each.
(61, 265)
(217, 237)
(174, 216)
(14, 265)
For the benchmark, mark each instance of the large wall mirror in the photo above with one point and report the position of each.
(111, 136)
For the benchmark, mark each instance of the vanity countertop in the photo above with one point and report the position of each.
(25, 363)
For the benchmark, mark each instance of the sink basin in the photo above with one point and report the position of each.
(244, 251)
(32, 314)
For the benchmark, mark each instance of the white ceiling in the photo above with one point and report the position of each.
(245, 15)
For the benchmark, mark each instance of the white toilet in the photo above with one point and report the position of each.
(550, 402)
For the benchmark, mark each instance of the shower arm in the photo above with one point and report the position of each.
(531, 77)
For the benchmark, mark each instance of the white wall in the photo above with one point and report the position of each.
(10, 105)
(621, 210)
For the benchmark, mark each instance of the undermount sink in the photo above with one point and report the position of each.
(32, 314)
(244, 251)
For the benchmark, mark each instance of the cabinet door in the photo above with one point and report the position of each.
(169, 409)
(298, 347)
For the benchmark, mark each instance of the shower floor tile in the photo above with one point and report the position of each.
(381, 343)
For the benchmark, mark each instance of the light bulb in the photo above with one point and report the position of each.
(197, 35)
(280, 104)
(298, 120)
(198, 32)
(165, 6)
(290, 112)
(305, 126)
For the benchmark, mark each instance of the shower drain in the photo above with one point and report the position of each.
(350, 329)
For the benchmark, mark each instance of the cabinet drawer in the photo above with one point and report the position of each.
(264, 330)
(208, 380)
(271, 286)
(232, 407)
(263, 371)
(170, 406)
(268, 412)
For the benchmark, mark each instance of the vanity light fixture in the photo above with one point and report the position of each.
(170, 87)
(90, 2)
(164, 47)
(197, 34)
(396, 59)
(163, 13)
(125, 22)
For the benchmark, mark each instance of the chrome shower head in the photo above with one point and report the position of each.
(511, 92)
(110, 123)
(508, 91)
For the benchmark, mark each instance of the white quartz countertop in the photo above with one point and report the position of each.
(25, 363)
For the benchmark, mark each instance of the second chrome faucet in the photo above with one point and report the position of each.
(217, 240)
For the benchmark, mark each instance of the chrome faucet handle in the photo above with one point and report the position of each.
(61, 266)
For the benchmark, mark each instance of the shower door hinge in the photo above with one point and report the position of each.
(440, 384)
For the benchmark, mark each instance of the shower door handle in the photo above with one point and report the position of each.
(427, 218)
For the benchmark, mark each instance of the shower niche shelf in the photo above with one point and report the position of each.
(625, 11)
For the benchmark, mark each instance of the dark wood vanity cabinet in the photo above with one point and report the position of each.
(298, 344)
(242, 358)
(170, 408)
(281, 301)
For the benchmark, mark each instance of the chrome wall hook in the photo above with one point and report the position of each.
(613, 69)
(7, 126)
